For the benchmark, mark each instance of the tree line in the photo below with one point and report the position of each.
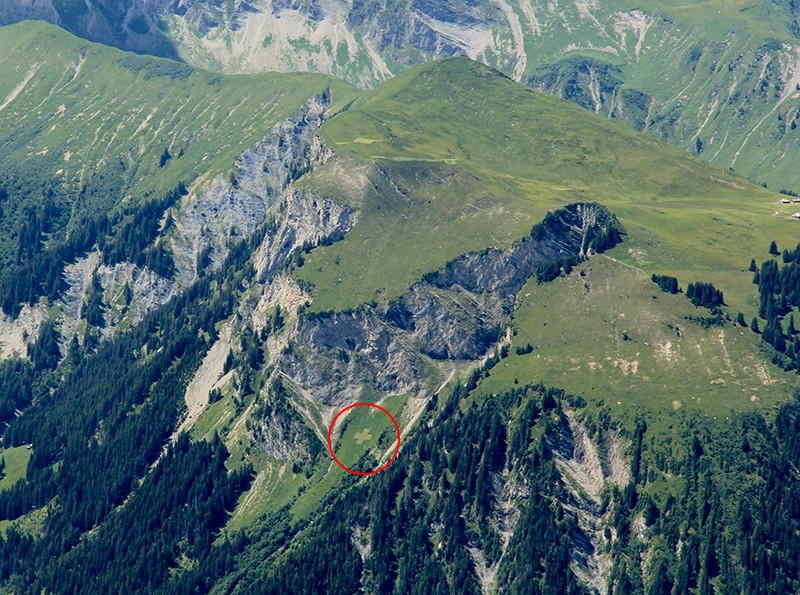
(779, 294)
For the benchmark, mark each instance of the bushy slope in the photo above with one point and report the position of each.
(520, 493)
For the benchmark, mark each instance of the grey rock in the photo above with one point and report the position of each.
(235, 207)
(305, 220)
(129, 24)
(455, 313)
(224, 210)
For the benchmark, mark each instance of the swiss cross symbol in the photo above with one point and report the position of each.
(362, 436)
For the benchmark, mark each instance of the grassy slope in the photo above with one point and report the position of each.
(737, 103)
(700, 61)
(86, 108)
(277, 485)
(416, 220)
(16, 460)
(530, 153)
(16, 463)
(613, 335)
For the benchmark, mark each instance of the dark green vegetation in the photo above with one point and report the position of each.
(421, 517)
(732, 505)
(666, 283)
(124, 237)
(779, 295)
(719, 516)
(705, 295)
(16, 382)
(136, 403)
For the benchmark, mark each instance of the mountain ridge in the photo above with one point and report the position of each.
(724, 87)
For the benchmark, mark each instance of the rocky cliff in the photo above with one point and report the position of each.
(455, 313)
(128, 24)
(204, 223)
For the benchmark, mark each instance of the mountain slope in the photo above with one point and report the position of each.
(427, 156)
(101, 143)
(439, 245)
(714, 78)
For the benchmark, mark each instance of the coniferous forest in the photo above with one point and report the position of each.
(779, 293)
(729, 526)
(99, 471)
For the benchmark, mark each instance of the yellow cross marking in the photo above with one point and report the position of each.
(362, 436)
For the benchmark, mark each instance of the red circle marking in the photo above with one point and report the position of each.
(396, 429)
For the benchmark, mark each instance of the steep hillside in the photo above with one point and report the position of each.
(133, 26)
(682, 217)
(718, 79)
(106, 150)
(475, 256)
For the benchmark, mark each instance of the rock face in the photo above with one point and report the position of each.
(353, 40)
(335, 355)
(455, 313)
(226, 208)
(129, 24)
(587, 468)
(16, 334)
(236, 205)
(229, 207)
(304, 220)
